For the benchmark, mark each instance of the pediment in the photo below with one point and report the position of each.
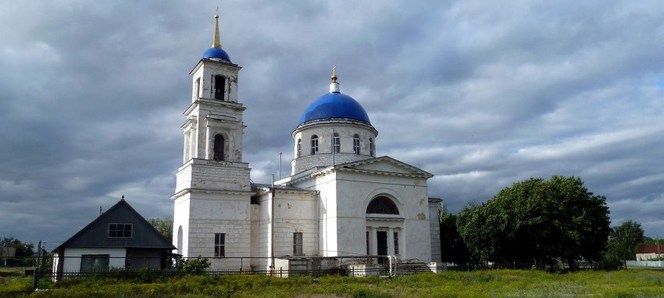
(385, 165)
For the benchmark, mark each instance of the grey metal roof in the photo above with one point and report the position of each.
(95, 234)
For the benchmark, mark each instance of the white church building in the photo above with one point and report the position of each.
(340, 199)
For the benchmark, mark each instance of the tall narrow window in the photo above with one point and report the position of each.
(197, 86)
(218, 147)
(297, 244)
(299, 148)
(314, 144)
(356, 144)
(368, 245)
(220, 244)
(336, 143)
(396, 243)
(219, 86)
(371, 147)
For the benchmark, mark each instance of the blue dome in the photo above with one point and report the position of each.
(216, 53)
(336, 106)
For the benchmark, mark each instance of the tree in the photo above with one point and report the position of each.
(163, 225)
(623, 241)
(22, 249)
(537, 220)
(23, 252)
(453, 249)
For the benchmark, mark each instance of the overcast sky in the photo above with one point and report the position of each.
(479, 93)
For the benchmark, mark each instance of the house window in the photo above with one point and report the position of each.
(218, 147)
(120, 230)
(356, 144)
(396, 243)
(368, 245)
(299, 147)
(297, 244)
(94, 263)
(220, 244)
(371, 147)
(336, 143)
(219, 86)
(314, 144)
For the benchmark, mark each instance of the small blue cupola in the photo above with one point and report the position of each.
(216, 52)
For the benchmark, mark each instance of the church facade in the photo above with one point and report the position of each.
(340, 199)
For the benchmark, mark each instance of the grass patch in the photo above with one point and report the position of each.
(494, 283)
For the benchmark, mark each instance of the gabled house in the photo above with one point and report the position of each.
(119, 238)
(645, 252)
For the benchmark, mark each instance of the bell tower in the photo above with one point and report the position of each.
(214, 128)
(212, 193)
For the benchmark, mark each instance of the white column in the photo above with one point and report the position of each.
(208, 156)
(390, 241)
(194, 139)
(374, 241)
(185, 151)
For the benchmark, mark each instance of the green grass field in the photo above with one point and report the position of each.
(494, 283)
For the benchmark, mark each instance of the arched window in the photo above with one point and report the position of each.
(314, 144)
(356, 144)
(336, 143)
(299, 148)
(218, 147)
(372, 150)
(382, 205)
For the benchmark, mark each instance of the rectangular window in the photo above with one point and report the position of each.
(220, 244)
(297, 244)
(368, 246)
(314, 144)
(299, 147)
(356, 144)
(371, 147)
(120, 230)
(396, 243)
(219, 86)
(94, 263)
(336, 143)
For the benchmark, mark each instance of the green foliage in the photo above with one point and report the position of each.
(623, 242)
(163, 225)
(538, 220)
(625, 239)
(22, 249)
(23, 254)
(193, 266)
(453, 249)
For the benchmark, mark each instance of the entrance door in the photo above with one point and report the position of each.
(381, 243)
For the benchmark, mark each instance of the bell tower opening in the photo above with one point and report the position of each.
(219, 82)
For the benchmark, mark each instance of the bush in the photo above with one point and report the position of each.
(193, 266)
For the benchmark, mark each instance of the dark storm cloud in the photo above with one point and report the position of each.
(479, 94)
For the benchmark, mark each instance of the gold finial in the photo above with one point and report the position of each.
(217, 41)
(334, 74)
